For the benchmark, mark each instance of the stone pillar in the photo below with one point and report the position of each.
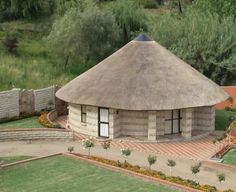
(160, 123)
(152, 125)
(187, 123)
(111, 123)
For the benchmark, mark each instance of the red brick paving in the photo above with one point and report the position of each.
(201, 149)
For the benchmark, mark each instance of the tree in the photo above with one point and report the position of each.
(152, 160)
(129, 21)
(196, 169)
(88, 144)
(15, 9)
(171, 164)
(87, 36)
(202, 40)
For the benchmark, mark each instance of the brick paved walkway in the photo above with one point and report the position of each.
(201, 149)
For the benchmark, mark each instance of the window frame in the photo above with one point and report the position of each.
(179, 118)
(83, 117)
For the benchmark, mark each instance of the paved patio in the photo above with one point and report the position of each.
(200, 149)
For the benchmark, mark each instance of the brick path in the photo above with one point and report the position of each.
(201, 149)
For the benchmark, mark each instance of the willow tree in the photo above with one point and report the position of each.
(130, 17)
(201, 39)
(84, 36)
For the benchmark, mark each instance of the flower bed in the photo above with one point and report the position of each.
(153, 173)
(45, 122)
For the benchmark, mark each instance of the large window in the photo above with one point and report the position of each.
(173, 119)
(83, 114)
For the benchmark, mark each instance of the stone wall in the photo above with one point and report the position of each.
(91, 125)
(35, 134)
(9, 103)
(26, 101)
(134, 123)
(16, 102)
(204, 118)
(44, 98)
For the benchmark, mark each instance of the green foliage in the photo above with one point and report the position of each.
(223, 8)
(152, 160)
(87, 36)
(15, 9)
(223, 119)
(126, 152)
(196, 169)
(171, 163)
(10, 42)
(202, 40)
(130, 22)
(70, 149)
(148, 4)
(106, 144)
(221, 177)
(64, 5)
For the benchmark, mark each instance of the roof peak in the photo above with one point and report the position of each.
(143, 37)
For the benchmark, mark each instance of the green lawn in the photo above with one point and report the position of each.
(61, 174)
(230, 157)
(222, 119)
(31, 122)
(13, 159)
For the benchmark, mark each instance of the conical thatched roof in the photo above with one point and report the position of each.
(142, 75)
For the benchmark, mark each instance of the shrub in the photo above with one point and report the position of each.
(196, 169)
(43, 120)
(126, 152)
(106, 144)
(171, 164)
(151, 160)
(70, 149)
(10, 42)
(221, 177)
(88, 144)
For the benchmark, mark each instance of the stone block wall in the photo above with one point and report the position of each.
(91, 125)
(44, 98)
(204, 118)
(26, 101)
(9, 103)
(134, 123)
(35, 134)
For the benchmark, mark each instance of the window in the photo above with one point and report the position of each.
(173, 119)
(83, 113)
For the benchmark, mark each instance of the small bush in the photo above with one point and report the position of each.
(70, 149)
(221, 177)
(152, 160)
(10, 42)
(88, 144)
(126, 152)
(106, 144)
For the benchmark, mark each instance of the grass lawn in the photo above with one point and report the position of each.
(230, 157)
(30, 122)
(222, 119)
(59, 174)
(13, 159)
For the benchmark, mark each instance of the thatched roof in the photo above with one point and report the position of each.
(142, 75)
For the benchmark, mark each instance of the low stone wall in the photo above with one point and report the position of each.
(35, 134)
